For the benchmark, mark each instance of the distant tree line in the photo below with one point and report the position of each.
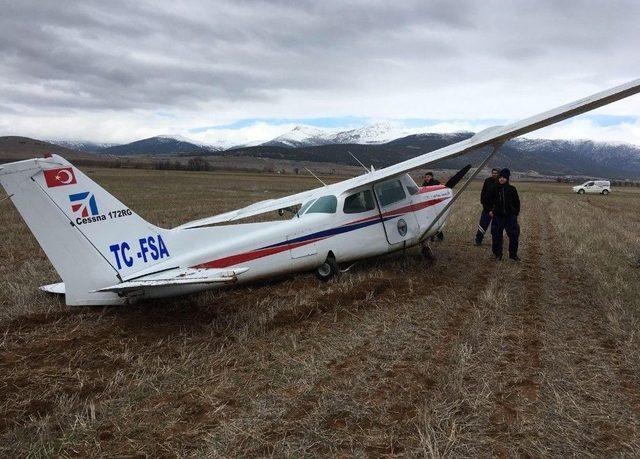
(193, 164)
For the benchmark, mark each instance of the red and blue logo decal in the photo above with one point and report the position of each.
(84, 203)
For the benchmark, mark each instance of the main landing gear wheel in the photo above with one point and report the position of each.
(327, 270)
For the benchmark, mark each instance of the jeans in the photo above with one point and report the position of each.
(483, 224)
(508, 223)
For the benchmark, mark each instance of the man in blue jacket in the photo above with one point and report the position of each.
(505, 208)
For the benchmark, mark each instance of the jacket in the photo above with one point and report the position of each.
(431, 182)
(504, 200)
(485, 195)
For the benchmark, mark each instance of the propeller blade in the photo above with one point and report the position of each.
(453, 181)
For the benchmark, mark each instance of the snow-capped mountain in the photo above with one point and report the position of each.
(161, 145)
(302, 136)
(600, 151)
(373, 134)
(382, 144)
(84, 146)
(307, 136)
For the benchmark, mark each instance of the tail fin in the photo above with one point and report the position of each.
(91, 238)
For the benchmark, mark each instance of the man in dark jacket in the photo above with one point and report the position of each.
(429, 180)
(505, 207)
(488, 185)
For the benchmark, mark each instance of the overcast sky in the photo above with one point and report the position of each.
(118, 71)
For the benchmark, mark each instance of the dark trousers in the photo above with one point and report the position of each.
(508, 223)
(483, 224)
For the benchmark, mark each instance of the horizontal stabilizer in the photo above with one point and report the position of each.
(58, 288)
(180, 276)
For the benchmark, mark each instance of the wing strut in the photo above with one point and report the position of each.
(496, 147)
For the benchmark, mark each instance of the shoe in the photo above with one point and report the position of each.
(498, 257)
(477, 244)
(514, 258)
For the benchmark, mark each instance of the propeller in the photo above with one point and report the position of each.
(453, 181)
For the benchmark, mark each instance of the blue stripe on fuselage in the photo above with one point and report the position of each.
(333, 231)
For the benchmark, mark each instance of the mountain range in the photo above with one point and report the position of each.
(381, 145)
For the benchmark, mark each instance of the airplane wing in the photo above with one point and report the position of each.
(178, 276)
(258, 208)
(496, 135)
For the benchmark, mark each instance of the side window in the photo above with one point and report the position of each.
(359, 202)
(589, 184)
(412, 189)
(324, 205)
(390, 192)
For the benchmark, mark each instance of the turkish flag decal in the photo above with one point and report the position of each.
(59, 177)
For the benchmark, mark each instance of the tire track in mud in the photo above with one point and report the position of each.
(77, 352)
(630, 214)
(415, 376)
(585, 365)
(574, 285)
(518, 374)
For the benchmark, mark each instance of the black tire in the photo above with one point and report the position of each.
(580, 191)
(327, 270)
(605, 192)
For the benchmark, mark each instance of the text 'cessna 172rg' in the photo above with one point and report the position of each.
(106, 254)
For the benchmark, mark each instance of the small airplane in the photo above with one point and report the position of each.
(107, 255)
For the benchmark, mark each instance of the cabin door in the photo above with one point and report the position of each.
(400, 223)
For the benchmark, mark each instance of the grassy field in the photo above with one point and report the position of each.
(464, 357)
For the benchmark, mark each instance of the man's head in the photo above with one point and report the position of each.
(504, 176)
(428, 176)
(494, 173)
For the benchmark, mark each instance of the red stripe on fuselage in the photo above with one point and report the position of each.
(253, 255)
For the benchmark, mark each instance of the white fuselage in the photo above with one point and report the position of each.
(303, 242)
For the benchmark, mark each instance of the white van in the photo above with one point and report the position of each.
(594, 186)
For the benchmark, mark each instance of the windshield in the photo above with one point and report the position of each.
(304, 207)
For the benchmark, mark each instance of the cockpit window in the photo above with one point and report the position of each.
(304, 207)
(323, 205)
(359, 202)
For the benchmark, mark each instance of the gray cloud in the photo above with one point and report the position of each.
(207, 57)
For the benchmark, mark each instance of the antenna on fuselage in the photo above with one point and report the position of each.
(318, 178)
(359, 162)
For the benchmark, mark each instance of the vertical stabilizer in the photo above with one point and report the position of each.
(91, 238)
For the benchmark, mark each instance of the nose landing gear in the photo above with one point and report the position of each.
(328, 269)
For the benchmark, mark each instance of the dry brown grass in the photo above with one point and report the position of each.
(466, 357)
